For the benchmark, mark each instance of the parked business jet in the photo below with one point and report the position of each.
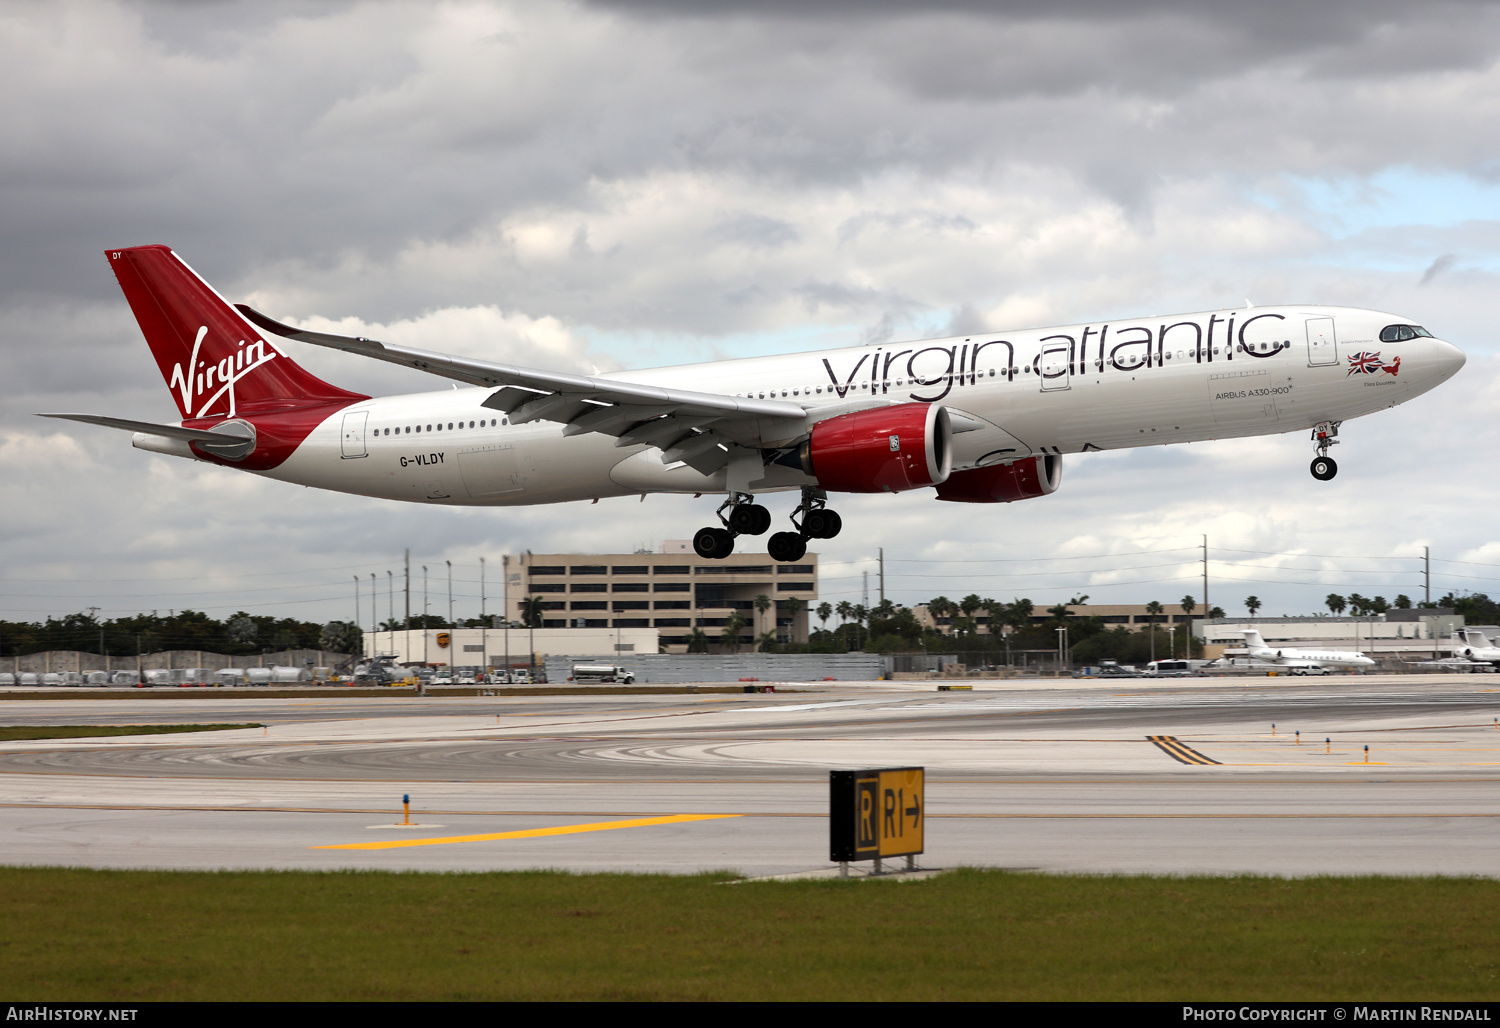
(1303, 661)
(983, 418)
(1475, 646)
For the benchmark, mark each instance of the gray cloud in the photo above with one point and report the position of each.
(1437, 267)
(670, 182)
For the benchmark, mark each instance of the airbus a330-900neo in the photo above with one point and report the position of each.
(985, 418)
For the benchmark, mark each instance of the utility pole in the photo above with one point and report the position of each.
(481, 589)
(424, 614)
(1206, 607)
(450, 592)
(882, 574)
(1427, 576)
(408, 588)
(356, 604)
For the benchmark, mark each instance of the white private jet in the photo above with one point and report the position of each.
(1475, 647)
(1303, 661)
(983, 418)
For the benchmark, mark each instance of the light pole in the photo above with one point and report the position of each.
(424, 615)
(450, 592)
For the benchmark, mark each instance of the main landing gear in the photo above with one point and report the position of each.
(1325, 434)
(746, 517)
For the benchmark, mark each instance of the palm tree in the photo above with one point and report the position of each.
(1252, 604)
(941, 607)
(1155, 609)
(825, 611)
(731, 633)
(531, 614)
(532, 610)
(764, 603)
(698, 641)
(1335, 603)
(1188, 603)
(795, 605)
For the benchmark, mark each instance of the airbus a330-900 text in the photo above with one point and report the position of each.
(984, 418)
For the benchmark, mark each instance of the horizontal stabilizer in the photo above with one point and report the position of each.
(230, 439)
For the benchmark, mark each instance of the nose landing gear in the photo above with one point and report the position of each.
(1325, 434)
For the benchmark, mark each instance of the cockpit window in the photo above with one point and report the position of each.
(1401, 333)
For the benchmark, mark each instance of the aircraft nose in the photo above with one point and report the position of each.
(1447, 359)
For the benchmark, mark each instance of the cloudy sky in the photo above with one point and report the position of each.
(631, 184)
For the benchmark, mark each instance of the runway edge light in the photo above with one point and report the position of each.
(876, 813)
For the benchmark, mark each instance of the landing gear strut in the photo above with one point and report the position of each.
(812, 520)
(745, 517)
(817, 522)
(1325, 434)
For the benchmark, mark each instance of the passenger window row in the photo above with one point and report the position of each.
(407, 430)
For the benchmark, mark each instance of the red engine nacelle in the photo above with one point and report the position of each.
(1002, 483)
(885, 450)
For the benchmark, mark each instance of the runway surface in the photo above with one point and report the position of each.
(1062, 776)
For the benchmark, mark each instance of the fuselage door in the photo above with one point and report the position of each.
(354, 434)
(1054, 366)
(1322, 345)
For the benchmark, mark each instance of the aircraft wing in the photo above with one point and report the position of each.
(692, 427)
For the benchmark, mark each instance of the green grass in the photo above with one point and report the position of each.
(125, 935)
(17, 732)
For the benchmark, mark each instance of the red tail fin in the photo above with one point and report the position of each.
(214, 361)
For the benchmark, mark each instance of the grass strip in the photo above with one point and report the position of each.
(18, 732)
(68, 934)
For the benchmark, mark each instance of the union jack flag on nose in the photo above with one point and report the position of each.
(1364, 363)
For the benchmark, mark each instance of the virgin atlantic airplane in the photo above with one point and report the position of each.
(983, 418)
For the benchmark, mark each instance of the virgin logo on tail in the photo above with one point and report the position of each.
(201, 377)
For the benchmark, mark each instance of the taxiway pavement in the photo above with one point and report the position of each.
(1055, 776)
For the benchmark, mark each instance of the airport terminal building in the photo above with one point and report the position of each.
(670, 593)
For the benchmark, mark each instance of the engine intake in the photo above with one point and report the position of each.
(1004, 483)
(884, 450)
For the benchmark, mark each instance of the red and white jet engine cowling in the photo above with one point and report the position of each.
(1003, 483)
(882, 450)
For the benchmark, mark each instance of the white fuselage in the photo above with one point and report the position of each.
(1304, 658)
(1073, 389)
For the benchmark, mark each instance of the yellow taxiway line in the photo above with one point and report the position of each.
(529, 833)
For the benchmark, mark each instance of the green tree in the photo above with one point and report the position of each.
(1252, 604)
(532, 611)
(1336, 603)
(795, 605)
(764, 603)
(341, 637)
(731, 632)
(1156, 610)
